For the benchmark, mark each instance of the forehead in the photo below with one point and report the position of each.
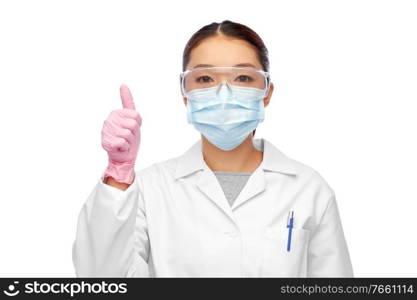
(223, 51)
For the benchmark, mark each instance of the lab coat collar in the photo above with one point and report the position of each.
(273, 159)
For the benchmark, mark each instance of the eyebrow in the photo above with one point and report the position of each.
(238, 65)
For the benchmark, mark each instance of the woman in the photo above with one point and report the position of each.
(231, 205)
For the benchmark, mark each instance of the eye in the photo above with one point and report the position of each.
(204, 79)
(244, 78)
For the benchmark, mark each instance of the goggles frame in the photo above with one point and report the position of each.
(262, 72)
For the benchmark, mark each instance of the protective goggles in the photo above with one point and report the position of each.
(207, 77)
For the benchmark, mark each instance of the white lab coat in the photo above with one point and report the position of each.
(174, 221)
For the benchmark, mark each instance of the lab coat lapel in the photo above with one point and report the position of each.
(273, 161)
(206, 181)
(209, 185)
(255, 185)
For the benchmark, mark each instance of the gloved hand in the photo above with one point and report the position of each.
(120, 137)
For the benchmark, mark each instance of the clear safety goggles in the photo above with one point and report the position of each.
(207, 77)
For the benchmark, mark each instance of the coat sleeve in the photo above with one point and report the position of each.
(328, 254)
(112, 238)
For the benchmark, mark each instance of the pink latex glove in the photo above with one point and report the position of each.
(120, 137)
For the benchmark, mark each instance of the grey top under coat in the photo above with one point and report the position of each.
(232, 183)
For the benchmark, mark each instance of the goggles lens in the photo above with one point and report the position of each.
(200, 78)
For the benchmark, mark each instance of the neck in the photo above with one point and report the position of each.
(243, 158)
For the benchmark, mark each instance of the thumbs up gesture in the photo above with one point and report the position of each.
(120, 137)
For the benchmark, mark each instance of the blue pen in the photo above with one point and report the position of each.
(290, 224)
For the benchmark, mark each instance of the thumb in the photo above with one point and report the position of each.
(127, 99)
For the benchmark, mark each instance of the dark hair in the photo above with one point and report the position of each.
(230, 29)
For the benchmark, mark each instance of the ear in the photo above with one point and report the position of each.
(269, 95)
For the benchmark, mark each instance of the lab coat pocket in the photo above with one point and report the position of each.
(277, 261)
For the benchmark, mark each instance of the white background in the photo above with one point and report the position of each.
(345, 104)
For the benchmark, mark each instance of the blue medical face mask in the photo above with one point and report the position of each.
(225, 114)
